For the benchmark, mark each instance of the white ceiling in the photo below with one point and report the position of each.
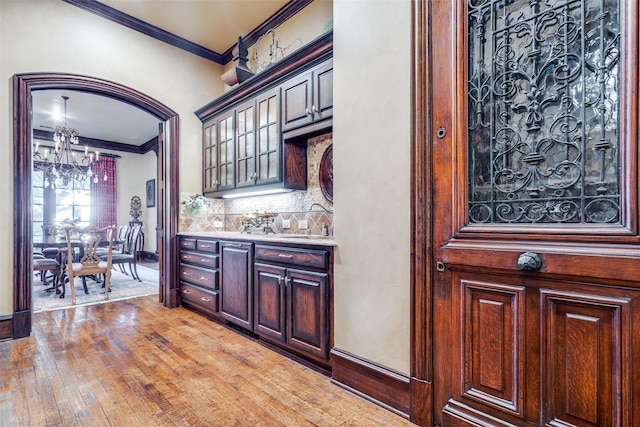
(94, 116)
(214, 24)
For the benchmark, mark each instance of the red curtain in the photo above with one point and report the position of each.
(103, 192)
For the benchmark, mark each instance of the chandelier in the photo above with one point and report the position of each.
(59, 163)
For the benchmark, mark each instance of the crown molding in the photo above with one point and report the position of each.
(107, 12)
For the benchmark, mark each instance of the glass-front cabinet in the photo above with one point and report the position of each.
(258, 141)
(241, 147)
(218, 153)
(246, 148)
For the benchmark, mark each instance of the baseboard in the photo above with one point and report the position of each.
(148, 256)
(371, 381)
(6, 327)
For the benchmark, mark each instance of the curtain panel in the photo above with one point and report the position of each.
(103, 192)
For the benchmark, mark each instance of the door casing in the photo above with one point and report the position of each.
(167, 179)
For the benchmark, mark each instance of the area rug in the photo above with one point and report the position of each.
(122, 287)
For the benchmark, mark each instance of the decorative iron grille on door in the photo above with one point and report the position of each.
(543, 93)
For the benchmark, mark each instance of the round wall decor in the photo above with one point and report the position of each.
(326, 173)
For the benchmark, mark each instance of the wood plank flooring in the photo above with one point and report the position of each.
(136, 363)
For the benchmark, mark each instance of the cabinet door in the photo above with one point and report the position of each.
(236, 284)
(307, 317)
(269, 301)
(269, 143)
(245, 144)
(322, 107)
(226, 152)
(296, 102)
(210, 147)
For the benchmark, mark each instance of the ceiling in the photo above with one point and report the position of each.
(212, 24)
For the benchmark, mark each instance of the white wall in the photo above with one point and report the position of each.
(53, 36)
(133, 172)
(371, 138)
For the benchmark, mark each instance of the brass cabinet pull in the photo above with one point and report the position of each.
(285, 255)
(186, 273)
(185, 291)
(205, 299)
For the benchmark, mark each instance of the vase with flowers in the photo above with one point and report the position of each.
(197, 208)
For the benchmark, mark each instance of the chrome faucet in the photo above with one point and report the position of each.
(321, 207)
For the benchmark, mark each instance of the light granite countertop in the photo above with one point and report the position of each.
(303, 239)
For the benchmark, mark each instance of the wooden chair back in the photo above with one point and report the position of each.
(88, 262)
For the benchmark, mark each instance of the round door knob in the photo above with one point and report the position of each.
(529, 261)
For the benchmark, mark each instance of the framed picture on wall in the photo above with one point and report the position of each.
(151, 193)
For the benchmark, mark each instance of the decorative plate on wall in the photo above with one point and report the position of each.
(326, 173)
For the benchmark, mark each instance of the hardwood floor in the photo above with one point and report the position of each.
(136, 363)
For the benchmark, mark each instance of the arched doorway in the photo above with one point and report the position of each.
(167, 181)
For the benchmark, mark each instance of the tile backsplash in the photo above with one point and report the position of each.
(224, 214)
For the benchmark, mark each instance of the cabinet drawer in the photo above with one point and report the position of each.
(197, 296)
(188, 243)
(199, 276)
(210, 261)
(210, 246)
(296, 256)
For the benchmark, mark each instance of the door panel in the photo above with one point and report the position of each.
(307, 324)
(586, 336)
(492, 343)
(270, 309)
(534, 221)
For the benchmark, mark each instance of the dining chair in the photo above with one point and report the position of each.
(129, 254)
(43, 265)
(88, 262)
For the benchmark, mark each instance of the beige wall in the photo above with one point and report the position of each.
(50, 35)
(134, 170)
(371, 130)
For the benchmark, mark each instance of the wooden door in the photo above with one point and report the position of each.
(297, 96)
(269, 301)
(236, 283)
(534, 225)
(307, 322)
(323, 91)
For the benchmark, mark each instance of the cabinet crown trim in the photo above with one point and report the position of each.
(307, 56)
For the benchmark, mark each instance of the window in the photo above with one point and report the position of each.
(54, 205)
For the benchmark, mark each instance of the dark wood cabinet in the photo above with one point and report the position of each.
(258, 145)
(218, 153)
(243, 141)
(281, 292)
(292, 298)
(236, 284)
(308, 98)
(199, 274)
